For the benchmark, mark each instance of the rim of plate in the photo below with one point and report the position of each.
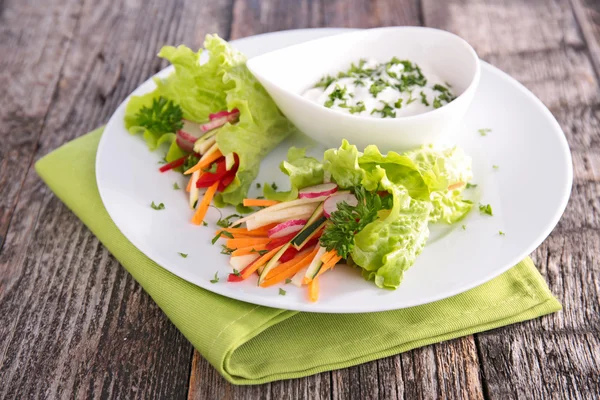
(268, 301)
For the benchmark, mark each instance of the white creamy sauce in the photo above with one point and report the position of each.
(397, 88)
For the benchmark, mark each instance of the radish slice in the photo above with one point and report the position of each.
(215, 123)
(285, 228)
(331, 203)
(223, 113)
(188, 134)
(324, 189)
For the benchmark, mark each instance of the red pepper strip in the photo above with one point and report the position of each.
(173, 164)
(279, 241)
(207, 179)
(229, 177)
(238, 278)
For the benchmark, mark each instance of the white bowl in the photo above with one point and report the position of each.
(287, 73)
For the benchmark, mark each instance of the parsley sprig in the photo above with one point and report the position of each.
(163, 116)
(348, 220)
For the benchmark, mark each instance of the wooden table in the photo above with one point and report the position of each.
(73, 323)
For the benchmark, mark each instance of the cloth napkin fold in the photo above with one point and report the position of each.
(250, 344)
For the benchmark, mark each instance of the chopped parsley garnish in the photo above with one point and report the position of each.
(424, 99)
(358, 82)
(359, 107)
(176, 186)
(274, 186)
(486, 209)
(410, 98)
(444, 97)
(215, 279)
(226, 250)
(470, 185)
(325, 81)
(347, 221)
(387, 111)
(190, 162)
(236, 272)
(204, 223)
(163, 116)
(258, 185)
(495, 166)
(226, 222)
(338, 93)
(260, 252)
(437, 103)
(282, 292)
(183, 255)
(212, 169)
(501, 233)
(484, 131)
(219, 234)
(464, 227)
(160, 206)
(377, 87)
(288, 280)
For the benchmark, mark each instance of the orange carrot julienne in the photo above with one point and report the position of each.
(330, 264)
(249, 270)
(325, 257)
(313, 290)
(245, 242)
(203, 163)
(203, 206)
(259, 202)
(288, 271)
(285, 265)
(242, 251)
(243, 232)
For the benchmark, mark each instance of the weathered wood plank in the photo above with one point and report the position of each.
(28, 77)
(555, 356)
(69, 314)
(587, 13)
(506, 26)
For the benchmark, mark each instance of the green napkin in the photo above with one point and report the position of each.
(250, 344)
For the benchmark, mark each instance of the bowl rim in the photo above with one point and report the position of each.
(410, 118)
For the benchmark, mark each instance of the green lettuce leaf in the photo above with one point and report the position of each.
(342, 165)
(303, 172)
(449, 207)
(387, 247)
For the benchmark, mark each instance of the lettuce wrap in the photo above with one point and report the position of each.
(223, 82)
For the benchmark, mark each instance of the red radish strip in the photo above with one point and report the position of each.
(215, 123)
(285, 228)
(223, 113)
(324, 189)
(331, 203)
(279, 241)
(173, 164)
(292, 252)
(188, 134)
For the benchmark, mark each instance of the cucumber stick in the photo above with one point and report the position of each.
(272, 263)
(315, 265)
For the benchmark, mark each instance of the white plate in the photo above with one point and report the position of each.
(528, 192)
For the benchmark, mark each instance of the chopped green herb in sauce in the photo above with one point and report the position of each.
(366, 85)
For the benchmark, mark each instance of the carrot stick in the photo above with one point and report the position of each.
(245, 242)
(203, 207)
(243, 232)
(242, 251)
(288, 269)
(259, 203)
(205, 162)
(328, 255)
(249, 270)
(313, 290)
(332, 261)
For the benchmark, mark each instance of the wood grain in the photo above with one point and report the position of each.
(69, 314)
(73, 323)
